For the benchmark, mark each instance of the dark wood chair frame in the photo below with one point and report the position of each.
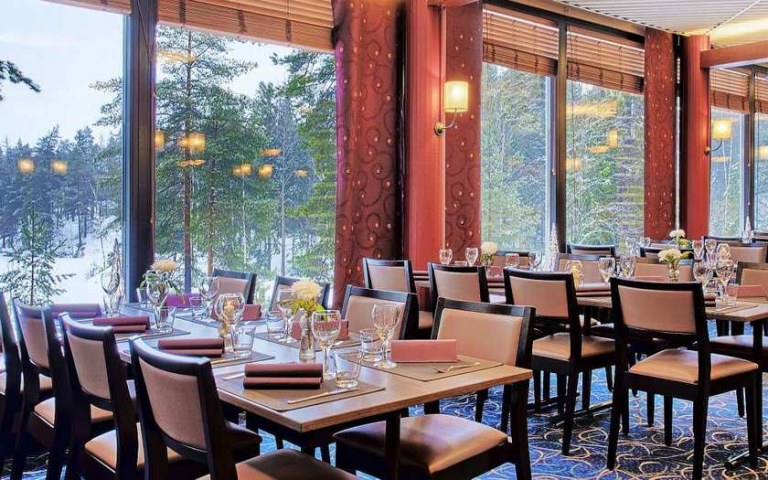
(376, 262)
(591, 248)
(697, 393)
(567, 371)
(249, 277)
(482, 278)
(12, 398)
(289, 281)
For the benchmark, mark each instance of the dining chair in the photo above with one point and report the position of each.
(650, 267)
(359, 303)
(564, 353)
(394, 275)
(11, 386)
(590, 265)
(652, 252)
(50, 423)
(752, 273)
(749, 252)
(236, 282)
(180, 409)
(436, 446)
(458, 283)
(599, 250)
(285, 283)
(499, 258)
(760, 236)
(728, 240)
(674, 312)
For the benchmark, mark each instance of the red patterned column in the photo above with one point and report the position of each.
(368, 73)
(464, 61)
(660, 126)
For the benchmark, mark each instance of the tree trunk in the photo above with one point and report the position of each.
(211, 222)
(187, 214)
(282, 229)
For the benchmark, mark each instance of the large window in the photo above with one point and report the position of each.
(515, 151)
(761, 173)
(246, 165)
(60, 150)
(726, 215)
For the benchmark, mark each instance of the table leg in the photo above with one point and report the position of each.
(392, 448)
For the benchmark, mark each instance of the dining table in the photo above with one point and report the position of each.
(392, 394)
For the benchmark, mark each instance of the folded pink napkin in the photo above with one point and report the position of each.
(76, 310)
(751, 291)
(123, 324)
(178, 300)
(286, 383)
(209, 347)
(284, 370)
(251, 313)
(594, 287)
(423, 351)
(202, 352)
(652, 278)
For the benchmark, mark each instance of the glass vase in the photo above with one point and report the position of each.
(674, 273)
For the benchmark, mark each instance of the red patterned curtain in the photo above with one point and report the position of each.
(464, 61)
(660, 104)
(367, 38)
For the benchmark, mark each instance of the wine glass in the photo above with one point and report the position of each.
(229, 307)
(283, 302)
(209, 287)
(385, 319)
(607, 266)
(702, 272)
(110, 283)
(627, 266)
(645, 242)
(157, 292)
(698, 249)
(724, 269)
(534, 259)
(710, 245)
(446, 255)
(471, 254)
(512, 260)
(723, 251)
(325, 328)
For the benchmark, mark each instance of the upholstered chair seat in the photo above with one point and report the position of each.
(104, 448)
(428, 443)
(287, 465)
(558, 346)
(683, 366)
(47, 411)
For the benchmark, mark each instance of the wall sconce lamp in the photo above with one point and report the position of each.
(456, 101)
(721, 130)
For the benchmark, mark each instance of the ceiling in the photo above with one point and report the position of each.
(727, 22)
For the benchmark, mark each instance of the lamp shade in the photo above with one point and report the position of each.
(456, 96)
(722, 129)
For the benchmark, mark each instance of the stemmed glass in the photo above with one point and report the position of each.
(446, 255)
(285, 298)
(157, 292)
(229, 311)
(702, 272)
(110, 283)
(385, 318)
(723, 251)
(534, 259)
(645, 242)
(326, 327)
(607, 266)
(512, 260)
(710, 245)
(209, 287)
(698, 249)
(627, 266)
(724, 269)
(471, 254)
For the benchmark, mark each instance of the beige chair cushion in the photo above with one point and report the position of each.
(429, 442)
(458, 285)
(47, 411)
(45, 383)
(104, 448)
(426, 320)
(287, 465)
(388, 278)
(558, 346)
(683, 366)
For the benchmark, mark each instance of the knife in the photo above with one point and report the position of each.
(456, 367)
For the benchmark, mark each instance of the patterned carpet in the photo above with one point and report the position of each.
(642, 455)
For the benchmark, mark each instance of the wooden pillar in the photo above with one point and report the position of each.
(694, 161)
(424, 151)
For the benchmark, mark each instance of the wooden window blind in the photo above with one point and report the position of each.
(519, 41)
(761, 94)
(302, 23)
(605, 61)
(729, 89)
(114, 6)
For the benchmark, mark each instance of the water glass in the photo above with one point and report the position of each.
(275, 326)
(512, 260)
(607, 266)
(627, 266)
(113, 303)
(164, 319)
(446, 255)
(370, 345)
(196, 306)
(726, 295)
(326, 327)
(723, 251)
(347, 369)
(724, 269)
(471, 254)
(284, 302)
(209, 287)
(142, 298)
(229, 308)
(243, 335)
(702, 272)
(386, 317)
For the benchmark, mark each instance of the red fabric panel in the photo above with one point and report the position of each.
(368, 73)
(464, 61)
(660, 126)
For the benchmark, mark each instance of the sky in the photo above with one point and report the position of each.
(65, 49)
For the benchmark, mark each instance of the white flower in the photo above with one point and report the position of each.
(489, 248)
(670, 255)
(679, 233)
(307, 289)
(165, 266)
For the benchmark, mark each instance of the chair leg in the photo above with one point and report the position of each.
(546, 386)
(752, 426)
(609, 378)
(561, 393)
(617, 411)
(536, 391)
(506, 407)
(570, 408)
(699, 435)
(650, 407)
(431, 408)
(20, 456)
(586, 382)
(482, 397)
(325, 453)
(668, 412)
(740, 401)
(279, 444)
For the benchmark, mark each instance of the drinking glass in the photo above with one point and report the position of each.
(702, 272)
(446, 255)
(724, 269)
(698, 249)
(627, 266)
(229, 308)
(347, 369)
(110, 283)
(534, 258)
(645, 242)
(142, 298)
(195, 304)
(326, 327)
(114, 302)
(471, 253)
(209, 287)
(512, 260)
(385, 319)
(710, 245)
(370, 345)
(607, 266)
(275, 325)
(723, 251)
(166, 319)
(285, 298)
(243, 335)
(157, 291)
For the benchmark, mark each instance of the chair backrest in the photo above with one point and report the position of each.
(11, 404)
(358, 309)
(728, 240)
(236, 282)
(552, 294)
(458, 283)
(179, 408)
(749, 252)
(590, 265)
(394, 275)
(760, 236)
(651, 252)
(650, 267)
(32, 335)
(496, 332)
(285, 283)
(752, 274)
(500, 256)
(599, 250)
